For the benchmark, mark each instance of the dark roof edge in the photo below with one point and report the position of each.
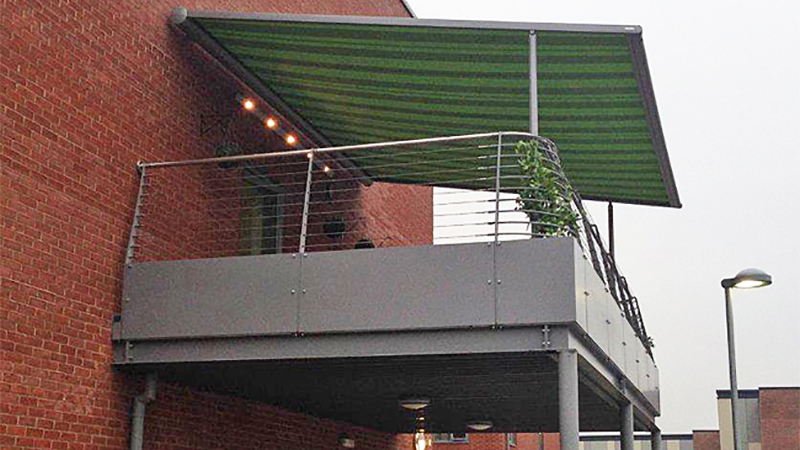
(637, 436)
(412, 21)
(642, 70)
(625, 201)
(743, 393)
(408, 8)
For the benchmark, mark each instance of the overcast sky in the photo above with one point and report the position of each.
(727, 83)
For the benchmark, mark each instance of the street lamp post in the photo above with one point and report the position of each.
(746, 279)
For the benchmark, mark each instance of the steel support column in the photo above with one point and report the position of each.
(626, 426)
(655, 440)
(568, 399)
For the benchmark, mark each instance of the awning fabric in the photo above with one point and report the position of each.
(354, 80)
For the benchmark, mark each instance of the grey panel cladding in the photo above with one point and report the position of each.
(401, 288)
(398, 288)
(211, 297)
(537, 281)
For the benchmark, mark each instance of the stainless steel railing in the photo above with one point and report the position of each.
(416, 192)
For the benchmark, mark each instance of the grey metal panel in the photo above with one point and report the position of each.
(180, 17)
(652, 392)
(538, 281)
(342, 345)
(211, 297)
(616, 336)
(398, 288)
(641, 367)
(630, 343)
(582, 292)
(598, 304)
(606, 377)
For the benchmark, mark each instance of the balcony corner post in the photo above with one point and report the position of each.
(568, 425)
(498, 165)
(626, 426)
(306, 200)
(130, 253)
(655, 439)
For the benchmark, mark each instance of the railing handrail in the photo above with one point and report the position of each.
(342, 148)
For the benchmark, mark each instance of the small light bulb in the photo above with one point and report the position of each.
(270, 122)
(746, 284)
(309, 155)
(248, 104)
(291, 140)
(422, 440)
(326, 169)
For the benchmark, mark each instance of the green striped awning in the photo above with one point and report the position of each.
(353, 80)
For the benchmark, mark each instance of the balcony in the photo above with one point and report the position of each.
(268, 277)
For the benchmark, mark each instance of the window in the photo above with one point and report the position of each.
(511, 439)
(450, 438)
(261, 216)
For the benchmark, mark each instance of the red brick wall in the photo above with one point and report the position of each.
(706, 440)
(87, 89)
(780, 418)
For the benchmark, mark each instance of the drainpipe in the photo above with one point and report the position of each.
(139, 406)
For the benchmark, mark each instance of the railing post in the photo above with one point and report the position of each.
(306, 199)
(497, 188)
(130, 254)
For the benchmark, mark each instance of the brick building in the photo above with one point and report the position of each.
(772, 416)
(81, 101)
(90, 89)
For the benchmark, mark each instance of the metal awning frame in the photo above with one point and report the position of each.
(182, 18)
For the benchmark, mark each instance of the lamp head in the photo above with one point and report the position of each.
(480, 425)
(748, 279)
(414, 403)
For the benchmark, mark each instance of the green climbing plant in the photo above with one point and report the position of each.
(544, 196)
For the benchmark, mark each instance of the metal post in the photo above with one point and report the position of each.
(494, 279)
(655, 440)
(611, 229)
(626, 429)
(738, 425)
(306, 199)
(534, 86)
(130, 254)
(139, 408)
(497, 188)
(568, 399)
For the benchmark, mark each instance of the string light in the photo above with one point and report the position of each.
(290, 139)
(248, 104)
(270, 122)
(422, 440)
(326, 169)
